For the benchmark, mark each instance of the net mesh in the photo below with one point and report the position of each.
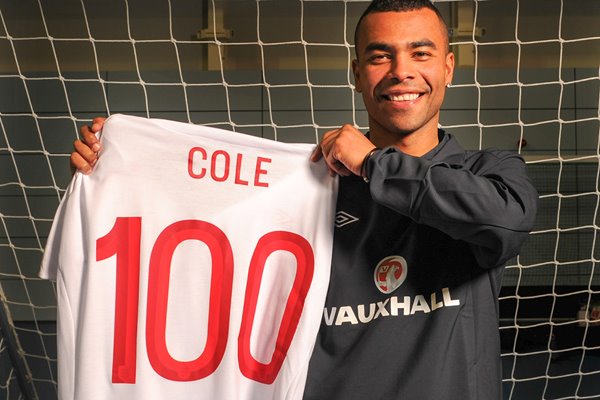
(527, 79)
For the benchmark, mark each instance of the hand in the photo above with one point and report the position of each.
(344, 150)
(86, 151)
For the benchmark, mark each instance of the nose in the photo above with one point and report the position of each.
(400, 69)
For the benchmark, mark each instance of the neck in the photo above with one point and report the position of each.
(415, 144)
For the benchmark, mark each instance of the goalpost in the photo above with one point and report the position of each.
(527, 79)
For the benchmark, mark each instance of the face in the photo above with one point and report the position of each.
(402, 70)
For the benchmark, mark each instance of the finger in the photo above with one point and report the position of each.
(97, 124)
(324, 147)
(317, 154)
(88, 133)
(78, 163)
(341, 169)
(85, 152)
(336, 167)
(89, 138)
(327, 151)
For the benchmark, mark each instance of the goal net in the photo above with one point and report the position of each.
(527, 79)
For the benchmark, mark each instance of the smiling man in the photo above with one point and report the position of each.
(412, 309)
(423, 228)
(402, 67)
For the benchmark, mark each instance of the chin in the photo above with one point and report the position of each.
(402, 130)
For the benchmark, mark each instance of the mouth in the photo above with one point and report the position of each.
(401, 97)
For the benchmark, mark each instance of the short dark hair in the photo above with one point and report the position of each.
(398, 6)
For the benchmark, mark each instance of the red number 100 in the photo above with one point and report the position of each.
(123, 241)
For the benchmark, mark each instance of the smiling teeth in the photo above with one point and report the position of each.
(403, 97)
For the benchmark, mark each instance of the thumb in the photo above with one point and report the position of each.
(317, 154)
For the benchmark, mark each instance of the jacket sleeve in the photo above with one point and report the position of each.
(486, 201)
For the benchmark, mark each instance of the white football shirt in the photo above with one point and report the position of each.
(193, 263)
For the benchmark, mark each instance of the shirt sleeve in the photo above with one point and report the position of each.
(486, 199)
(66, 238)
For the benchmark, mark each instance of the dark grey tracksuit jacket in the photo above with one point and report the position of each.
(418, 255)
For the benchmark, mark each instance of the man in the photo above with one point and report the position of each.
(424, 228)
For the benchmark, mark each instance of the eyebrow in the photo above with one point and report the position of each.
(422, 43)
(378, 46)
(413, 45)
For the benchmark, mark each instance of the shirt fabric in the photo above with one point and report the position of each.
(412, 307)
(192, 264)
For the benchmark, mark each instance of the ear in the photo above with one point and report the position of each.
(449, 67)
(356, 73)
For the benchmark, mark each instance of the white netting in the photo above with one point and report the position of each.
(9, 388)
(527, 79)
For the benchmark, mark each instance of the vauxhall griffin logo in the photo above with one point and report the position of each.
(390, 273)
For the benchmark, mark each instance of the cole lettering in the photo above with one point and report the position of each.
(221, 166)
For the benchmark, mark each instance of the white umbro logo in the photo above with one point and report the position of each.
(342, 218)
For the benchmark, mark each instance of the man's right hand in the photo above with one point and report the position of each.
(344, 150)
(86, 151)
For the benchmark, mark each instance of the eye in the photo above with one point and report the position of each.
(379, 58)
(421, 55)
